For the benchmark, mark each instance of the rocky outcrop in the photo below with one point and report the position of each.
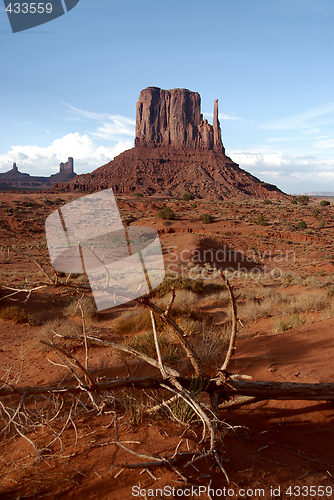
(173, 118)
(166, 171)
(14, 179)
(175, 151)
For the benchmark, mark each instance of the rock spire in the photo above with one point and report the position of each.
(173, 118)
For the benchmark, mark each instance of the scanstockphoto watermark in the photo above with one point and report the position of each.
(252, 264)
(198, 491)
(24, 15)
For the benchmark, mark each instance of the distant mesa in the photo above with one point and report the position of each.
(176, 150)
(13, 179)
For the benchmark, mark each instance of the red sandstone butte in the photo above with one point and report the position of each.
(176, 150)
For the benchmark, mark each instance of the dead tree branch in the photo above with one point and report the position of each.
(31, 258)
(90, 380)
(231, 348)
(191, 353)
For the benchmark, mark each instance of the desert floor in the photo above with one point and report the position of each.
(283, 281)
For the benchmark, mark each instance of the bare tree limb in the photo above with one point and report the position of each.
(84, 330)
(90, 380)
(157, 346)
(191, 354)
(168, 308)
(31, 258)
(231, 347)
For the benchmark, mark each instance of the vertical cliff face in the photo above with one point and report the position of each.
(173, 118)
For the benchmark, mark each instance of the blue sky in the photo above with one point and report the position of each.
(69, 87)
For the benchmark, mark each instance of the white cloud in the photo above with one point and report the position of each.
(112, 127)
(325, 143)
(279, 164)
(38, 160)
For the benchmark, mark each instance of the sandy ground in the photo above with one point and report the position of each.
(266, 447)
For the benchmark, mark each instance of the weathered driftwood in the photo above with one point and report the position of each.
(282, 390)
(231, 389)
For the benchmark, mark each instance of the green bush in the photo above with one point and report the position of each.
(303, 199)
(166, 213)
(206, 218)
(15, 314)
(47, 202)
(88, 305)
(325, 203)
(302, 224)
(267, 202)
(315, 212)
(260, 220)
(189, 195)
(294, 202)
(179, 283)
(139, 195)
(284, 324)
(322, 223)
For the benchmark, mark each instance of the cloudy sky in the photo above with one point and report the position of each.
(69, 87)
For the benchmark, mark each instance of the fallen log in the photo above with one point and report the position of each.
(226, 391)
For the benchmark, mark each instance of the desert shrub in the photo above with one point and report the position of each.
(189, 195)
(15, 314)
(284, 324)
(261, 221)
(307, 302)
(59, 200)
(210, 340)
(322, 223)
(325, 203)
(330, 291)
(126, 323)
(252, 310)
(303, 200)
(166, 213)
(280, 325)
(139, 195)
(178, 284)
(88, 305)
(294, 202)
(146, 345)
(184, 299)
(185, 305)
(267, 202)
(46, 201)
(130, 322)
(328, 312)
(206, 218)
(193, 205)
(134, 321)
(315, 212)
(53, 328)
(215, 298)
(181, 409)
(135, 408)
(302, 224)
(35, 319)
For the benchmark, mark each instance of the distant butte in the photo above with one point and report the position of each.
(176, 150)
(14, 179)
(173, 118)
